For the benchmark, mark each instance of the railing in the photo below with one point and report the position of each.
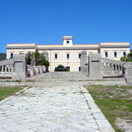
(112, 67)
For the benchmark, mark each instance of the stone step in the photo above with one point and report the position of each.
(64, 83)
(61, 76)
(67, 76)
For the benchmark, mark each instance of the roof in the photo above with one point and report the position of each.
(74, 46)
(21, 46)
(67, 38)
(115, 45)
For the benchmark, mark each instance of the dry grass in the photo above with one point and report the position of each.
(114, 101)
(8, 91)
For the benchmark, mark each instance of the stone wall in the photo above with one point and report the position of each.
(99, 68)
(128, 73)
(84, 70)
(84, 58)
(94, 66)
(35, 70)
(6, 67)
(20, 67)
(15, 67)
(84, 62)
(112, 68)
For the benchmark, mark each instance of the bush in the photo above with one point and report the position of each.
(124, 58)
(127, 58)
(60, 68)
(40, 64)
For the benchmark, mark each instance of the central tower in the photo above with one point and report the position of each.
(67, 41)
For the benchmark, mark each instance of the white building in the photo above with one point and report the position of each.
(68, 54)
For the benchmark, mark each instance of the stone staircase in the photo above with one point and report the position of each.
(58, 79)
(70, 78)
(65, 76)
(63, 79)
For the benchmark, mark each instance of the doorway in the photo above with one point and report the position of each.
(68, 68)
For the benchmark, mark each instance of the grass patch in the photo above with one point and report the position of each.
(114, 101)
(8, 91)
(30, 80)
(10, 81)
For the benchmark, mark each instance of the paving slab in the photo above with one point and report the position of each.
(52, 109)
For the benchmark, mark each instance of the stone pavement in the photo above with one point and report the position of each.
(52, 109)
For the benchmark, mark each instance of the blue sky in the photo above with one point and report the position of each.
(47, 21)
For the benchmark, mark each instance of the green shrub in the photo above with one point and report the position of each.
(127, 58)
(60, 68)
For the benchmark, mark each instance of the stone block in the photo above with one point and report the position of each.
(94, 66)
(84, 70)
(20, 67)
(128, 73)
(84, 58)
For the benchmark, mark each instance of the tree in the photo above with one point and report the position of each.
(129, 56)
(29, 58)
(45, 63)
(37, 58)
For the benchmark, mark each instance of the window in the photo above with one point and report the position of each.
(56, 56)
(79, 68)
(67, 41)
(67, 56)
(124, 53)
(106, 54)
(115, 54)
(21, 52)
(11, 55)
(79, 56)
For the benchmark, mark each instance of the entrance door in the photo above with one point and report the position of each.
(68, 68)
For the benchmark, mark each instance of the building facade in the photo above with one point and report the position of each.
(69, 54)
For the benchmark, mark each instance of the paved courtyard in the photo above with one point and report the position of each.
(52, 109)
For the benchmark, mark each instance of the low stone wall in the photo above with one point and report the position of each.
(128, 73)
(31, 71)
(84, 70)
(5, 74)
(35, 70)
(112, 67)
(16, 68)
(99, 68)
